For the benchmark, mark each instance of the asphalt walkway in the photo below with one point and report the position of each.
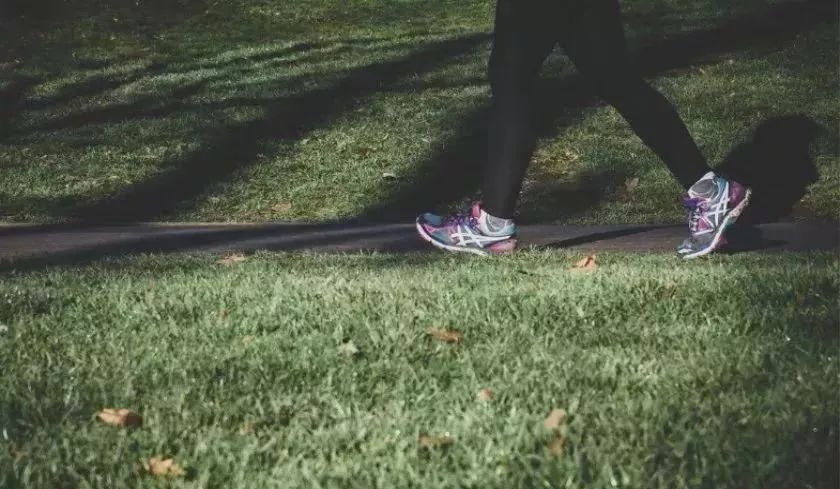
(22, 246)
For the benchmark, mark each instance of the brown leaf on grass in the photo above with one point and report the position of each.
(555, 447)
(364, 152)
(17, 453)
(445, 335)
(164, 467)
(588, 263)
(485, 394)
(630, 186)
(555, 418)
(120, 417)
(232, 259)
(281, 207)
(247, 429)
(348, 349)
(570, 155)
(432, 442)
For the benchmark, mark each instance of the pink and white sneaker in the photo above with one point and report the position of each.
(467, 233)
(714, 204)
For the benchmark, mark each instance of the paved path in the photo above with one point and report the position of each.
(22, 246)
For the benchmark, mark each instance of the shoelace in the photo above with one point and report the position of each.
(460, 219)
(695, 214)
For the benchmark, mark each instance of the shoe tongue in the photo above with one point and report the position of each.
(476, 210)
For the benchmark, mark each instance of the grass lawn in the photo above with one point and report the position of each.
(294, 110)
(720, 374)
(306, 371)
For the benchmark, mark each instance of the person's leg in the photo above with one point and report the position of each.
(525, 34)
(596, 44)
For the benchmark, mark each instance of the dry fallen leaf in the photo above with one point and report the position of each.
(161, 467)
(587, 264)
(120, 417)
(555, 418)
(669, 289)
(247, 428)
(232, 259)
(570, 155)
(4, 329)
(555, 448)
(431, 442)
(364, 152)
(485, 394)
(281, 207)
(16, 452)
(631, 184)
(446, 335)
(349, 349)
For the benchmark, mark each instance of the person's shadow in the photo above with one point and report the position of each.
(776, 163)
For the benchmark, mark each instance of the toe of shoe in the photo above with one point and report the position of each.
(429, 219)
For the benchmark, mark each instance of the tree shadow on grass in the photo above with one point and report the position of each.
(159, 105)
(12, 101)
(234, 148)
(451, 173)
(142, 108)
(15, 98)
(99, 84)
(93, 86)
(454, 171)
(814, 453)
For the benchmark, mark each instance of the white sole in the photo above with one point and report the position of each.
(730, 220)
(455, 249)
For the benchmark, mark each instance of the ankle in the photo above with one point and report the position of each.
(495, 226)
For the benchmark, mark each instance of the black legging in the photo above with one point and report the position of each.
(592, 34)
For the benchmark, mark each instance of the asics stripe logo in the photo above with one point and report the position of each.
(464, 236)
(716, 213)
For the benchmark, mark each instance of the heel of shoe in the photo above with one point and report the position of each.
(507, 246)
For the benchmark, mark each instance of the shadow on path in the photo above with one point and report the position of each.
(27, 248)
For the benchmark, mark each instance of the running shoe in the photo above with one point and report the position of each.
(714, 204)
(467, 233)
